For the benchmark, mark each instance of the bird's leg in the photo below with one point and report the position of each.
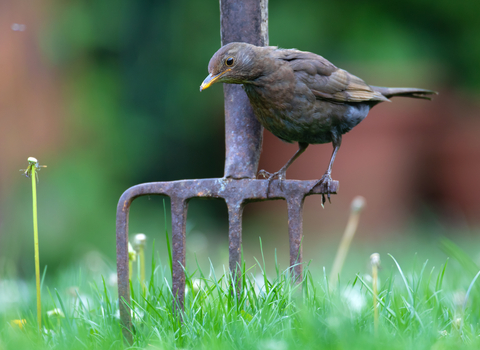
(281, 174)
(327, 178)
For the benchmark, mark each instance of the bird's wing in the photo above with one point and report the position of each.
(326, 81)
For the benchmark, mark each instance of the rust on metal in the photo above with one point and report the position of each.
(240, 21)
(245, 21)
(179, 204)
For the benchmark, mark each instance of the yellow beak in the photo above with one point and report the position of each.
(211, 79)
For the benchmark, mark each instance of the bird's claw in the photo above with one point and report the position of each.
(270, 177)
(265, 174)
(325, 182)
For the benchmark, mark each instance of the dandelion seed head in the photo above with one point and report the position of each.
(16, 27)
(198, 285)
(273, 344)
(458, 298)
(354, 299)
(358, 204)
(139, 240)
(375, 259)
(56, 313)
(113, 279)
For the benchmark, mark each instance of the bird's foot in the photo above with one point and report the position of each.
(325, 182)
(280, 175)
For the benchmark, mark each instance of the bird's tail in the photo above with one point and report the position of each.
(405, 92)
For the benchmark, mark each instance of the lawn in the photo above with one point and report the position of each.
(422, 307)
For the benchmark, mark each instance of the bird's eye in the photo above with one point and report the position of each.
(229, 61)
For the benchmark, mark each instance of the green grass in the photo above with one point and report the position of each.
(423, 308)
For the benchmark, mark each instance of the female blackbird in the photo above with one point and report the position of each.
(299, 96)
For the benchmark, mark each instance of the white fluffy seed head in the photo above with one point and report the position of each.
(358, 204)
(139, 240)
(56, 313)
(375, 259)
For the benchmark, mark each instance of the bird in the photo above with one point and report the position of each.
(300, 96)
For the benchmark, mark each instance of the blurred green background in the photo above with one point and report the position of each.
(106, 94)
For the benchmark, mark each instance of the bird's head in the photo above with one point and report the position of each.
(234, 63)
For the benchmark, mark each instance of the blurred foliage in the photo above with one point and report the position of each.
(130, 73)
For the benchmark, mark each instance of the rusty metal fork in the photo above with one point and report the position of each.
(236, 193)
(239, 186)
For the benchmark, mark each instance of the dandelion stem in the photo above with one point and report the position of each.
(138, 271)
(35, 238)
(130, 267)
(375, 261)
(356, 207)
(375, 293)
(139, 245)
(142, 266)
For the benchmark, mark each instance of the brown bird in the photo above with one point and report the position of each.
(299, 96)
